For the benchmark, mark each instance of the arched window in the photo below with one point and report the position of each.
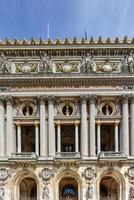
(28, 189)
(68, 189)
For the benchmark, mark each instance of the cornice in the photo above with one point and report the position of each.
(67, 80)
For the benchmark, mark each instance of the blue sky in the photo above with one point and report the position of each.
(67, 18)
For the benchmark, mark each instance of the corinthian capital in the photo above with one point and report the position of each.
(83, 98)
(9, 99)
(92, 98)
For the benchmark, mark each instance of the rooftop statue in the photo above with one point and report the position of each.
(127, 63)
(88, 64)
(5, 64)
(46, 64)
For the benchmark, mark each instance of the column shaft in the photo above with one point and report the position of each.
(19, 137)
(37, 138)
(76, 137)
(51, 127)
(9, 128)
(132, 126)
(98, 138)
(125, 126)
(2, 127)
(116, 136)
(43, 133)
(59, 137)
(84, 130)
(92, 127)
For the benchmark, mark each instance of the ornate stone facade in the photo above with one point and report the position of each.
(67, 120)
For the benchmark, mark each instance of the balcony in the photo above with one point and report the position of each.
(106, 155)
(109, 198)
(27, 198)
(68, 155)
(68, 198)
(23, 157)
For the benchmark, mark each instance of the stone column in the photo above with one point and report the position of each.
(92, 126)
(84, 130)
(9, 127)
(18, 137)
(58, 137)
(125, 126)
(43, 133)
(36, 138)
(2, 127)
(76, 136)
(116, 135)
(98, 137)
(51, 126)
(132, 126)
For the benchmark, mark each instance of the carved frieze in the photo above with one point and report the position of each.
(26, 67)
(67, 67)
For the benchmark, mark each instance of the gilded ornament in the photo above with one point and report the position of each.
(91, 40)
(117, 40)
(125, 40)
(75, 40)
(58, 41)
(49, 41)
(8, 42)
(108, 41)
(100, 40)
(66, 41)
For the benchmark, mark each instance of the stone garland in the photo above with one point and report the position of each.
(4, 174)
(89, 174)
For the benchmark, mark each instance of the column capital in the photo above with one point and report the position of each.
(92, 98)
(83, 98)
(98, 122)
(50, 98)
(17, 123)
(117, 122)
(125, 98)
(36, 123)
(2, 98)
(77, 122)
(9, 99)
(42, 98)
(132, 98)
(58, 123)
